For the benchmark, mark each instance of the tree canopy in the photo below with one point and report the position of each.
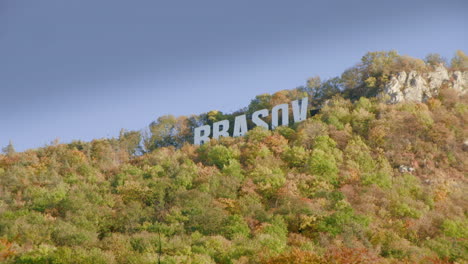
(360, 182)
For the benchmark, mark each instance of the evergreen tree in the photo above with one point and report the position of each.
(9, 149)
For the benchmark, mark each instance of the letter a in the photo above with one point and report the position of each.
(240, 126)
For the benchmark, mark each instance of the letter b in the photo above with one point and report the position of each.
(199, 138)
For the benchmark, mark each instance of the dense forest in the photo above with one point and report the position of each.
(361, 181)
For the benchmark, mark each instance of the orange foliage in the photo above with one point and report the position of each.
(296, 256)
(6, 249)
(276, 143)
(435, 260)
(344, 255)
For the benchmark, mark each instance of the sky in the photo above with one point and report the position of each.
(81, 70)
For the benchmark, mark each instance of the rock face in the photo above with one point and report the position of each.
(419, 87)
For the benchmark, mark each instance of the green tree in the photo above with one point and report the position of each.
(9, 149)
(378, 63)
(168, 131)
(235, 226)
(130, 141)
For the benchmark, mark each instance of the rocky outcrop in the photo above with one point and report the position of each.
(418, 87)
(460, 81)
(404, 169)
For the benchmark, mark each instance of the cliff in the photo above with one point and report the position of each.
(415, 86)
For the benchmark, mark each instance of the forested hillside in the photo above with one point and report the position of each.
(362, 181)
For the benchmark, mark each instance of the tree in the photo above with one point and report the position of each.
(435, 59)
(351, 78)
(459, 61)
(130, 141)
(167, 131)
(407, 63)
(320, 91)
(260, 102)
(9, 149)
(378, 63)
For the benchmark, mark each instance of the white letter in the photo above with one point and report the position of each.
(274, 115)
(256, 119)
(300, 114)
(224, 132)
(240, 126)
(199, 139)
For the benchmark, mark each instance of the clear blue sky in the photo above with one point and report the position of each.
(85, 69)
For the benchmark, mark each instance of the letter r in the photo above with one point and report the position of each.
(216, 129)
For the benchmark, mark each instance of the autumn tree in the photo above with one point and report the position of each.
(459, 61)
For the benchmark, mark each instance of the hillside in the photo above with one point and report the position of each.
(377, 175)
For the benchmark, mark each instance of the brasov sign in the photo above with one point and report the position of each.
(220, 129)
